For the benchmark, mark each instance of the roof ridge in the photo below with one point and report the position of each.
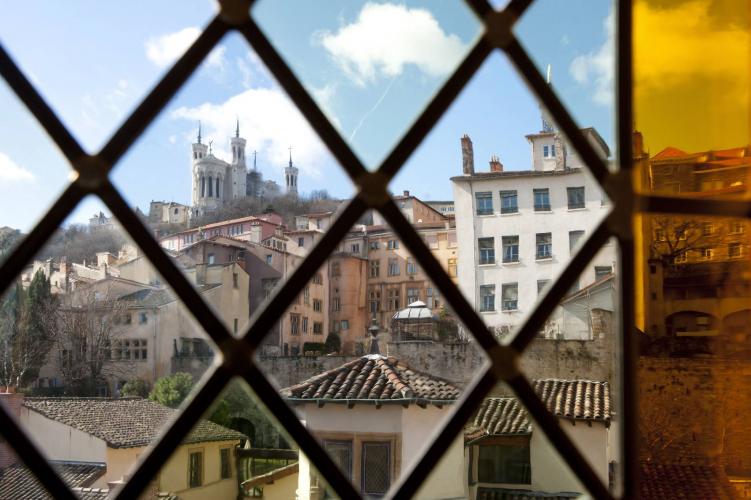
(401, 388)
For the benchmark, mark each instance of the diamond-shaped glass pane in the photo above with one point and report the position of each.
(91, 71)
(237, 448)
(98, 348)
(573, 46)
(512, 226)
(33, 172)
(691, 97)
(371, 67)
(503, 453)
(573, 363)
(241, 200)
(375, 366)
(692, 285)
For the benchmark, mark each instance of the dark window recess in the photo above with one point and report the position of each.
(484, 203)
(575, 197)
(376, 465)
(504, 464)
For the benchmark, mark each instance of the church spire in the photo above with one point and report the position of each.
(290, 156)
(199, 131)
(254, 160)
(237, 128)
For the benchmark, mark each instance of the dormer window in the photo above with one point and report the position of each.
(548, 151)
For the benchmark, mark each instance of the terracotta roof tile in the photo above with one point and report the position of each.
(373, 377)
(569, 399)
(124, 422)
(660, 481)
(17, 481)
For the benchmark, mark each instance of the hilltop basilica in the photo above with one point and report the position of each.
(216, 182)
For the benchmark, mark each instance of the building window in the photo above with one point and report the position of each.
(544, 245)
(413, 295)
(335, 269)
(340, 452)
(659, 235)
(317, 328)
(375, 268)
(487, 250)
(548, 151)
(735, 250)
(393, 244)
(509, 202)
(602, 271)
(129, 349)
(432, 241)
(234, 326)
(510, 248)
(393, 267)
(431, 298)
(575, 197)
(376, 467)
(508, 464)
(374, 296)
(143, 318)
(393, 299)
(487, 298)
(225, 465)
(356, 248)
(453, 270)
(736, 227)
(294, 324)
(318, 279)
(706, 253)
(707, 229)
(195, 469)
(484, 203)
(541, 284)
(235, 280)
(411, 266)
(680, 257)
(269, 259)
(317, 305)
(373, 245)
(510, 297)
(301, 242)
(573, 239)
(304, 325)
(541, 199)
(336, 304)
(306, 295)
(345, 324)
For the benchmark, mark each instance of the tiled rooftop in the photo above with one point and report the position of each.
(124, 422)
(485, 493)
(17, 481)
(660, 481)
(570, 399)
(373, 377)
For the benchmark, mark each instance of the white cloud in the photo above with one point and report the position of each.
(10, 171)
(269, 121)
(595, 69)
(387, 37)
(163, 50)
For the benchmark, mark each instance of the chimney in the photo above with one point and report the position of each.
(495, 164)
(406, 193)
(638, 144)
(200, 274)
(12, 401)
(560, 153)
(468, 156)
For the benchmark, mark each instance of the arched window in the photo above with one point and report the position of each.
(217, 188)
(203, 186)
(211, 187)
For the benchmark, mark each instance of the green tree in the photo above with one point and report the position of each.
(333, 343)
(26, 331)
(136, 387)
(172, 390)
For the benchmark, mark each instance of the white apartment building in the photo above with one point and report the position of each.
(517, 230)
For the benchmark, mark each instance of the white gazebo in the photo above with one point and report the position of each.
(414, 322)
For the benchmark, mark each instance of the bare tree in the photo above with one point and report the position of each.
(85, 335)
(674, 237)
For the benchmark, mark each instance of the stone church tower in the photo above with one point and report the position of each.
(290, 176)
(214, 181)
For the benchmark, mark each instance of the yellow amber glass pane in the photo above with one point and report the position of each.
(693, 315)
(692, 78)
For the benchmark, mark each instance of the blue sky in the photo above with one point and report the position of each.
(93, 74)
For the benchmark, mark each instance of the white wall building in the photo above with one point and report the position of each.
(519, 229)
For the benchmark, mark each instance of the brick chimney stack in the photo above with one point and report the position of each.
(12, 402)
(495, 164)
(468, 156)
